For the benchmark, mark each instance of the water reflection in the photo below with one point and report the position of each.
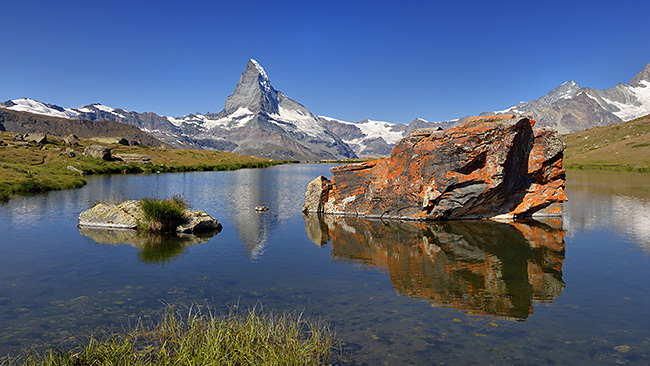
(609, 200)
(483, 267)
(154, 248)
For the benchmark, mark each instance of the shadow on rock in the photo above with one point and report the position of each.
(154, 247)
(483, 267)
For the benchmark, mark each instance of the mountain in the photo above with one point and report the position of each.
(256, 120)
(571, 108)
(155, 125)
(375, 138)
(25, 122)
(262, 121)
(259, 120)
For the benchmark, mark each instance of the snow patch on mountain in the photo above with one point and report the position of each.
(299, 120)
(36, 107)
(259, 68)
(631, 111)
(374, 129)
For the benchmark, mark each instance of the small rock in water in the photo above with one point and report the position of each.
(261, 208)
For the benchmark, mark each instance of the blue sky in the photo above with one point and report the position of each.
(351, 60)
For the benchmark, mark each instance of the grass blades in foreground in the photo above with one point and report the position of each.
(239, 338)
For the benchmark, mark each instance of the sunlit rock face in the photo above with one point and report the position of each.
(483, 267)
(487, 167)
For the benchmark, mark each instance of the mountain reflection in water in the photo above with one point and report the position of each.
(154, 247)
(483, 267)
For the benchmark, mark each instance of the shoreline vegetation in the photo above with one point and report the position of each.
(30, 167)
(252, 337)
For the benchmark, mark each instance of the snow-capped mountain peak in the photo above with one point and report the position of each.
(644, 75)
(259, 68)
(570, 108)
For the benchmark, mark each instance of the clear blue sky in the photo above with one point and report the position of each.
(351, 60)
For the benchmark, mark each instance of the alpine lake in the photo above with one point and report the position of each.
(565, 291)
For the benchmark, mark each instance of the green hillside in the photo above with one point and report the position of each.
(622, 147)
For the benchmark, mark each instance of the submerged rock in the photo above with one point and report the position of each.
(129, 215)
(487, 167)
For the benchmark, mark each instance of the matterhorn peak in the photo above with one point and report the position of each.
(252, 64)
(253, 92)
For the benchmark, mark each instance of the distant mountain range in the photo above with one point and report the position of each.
(25, 122)
(570, 108)
(259, 120)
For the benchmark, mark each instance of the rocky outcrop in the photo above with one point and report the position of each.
(98, 152)
(39, 138)
(71, 139)
(134, 158)
(129, 215)
(487, 167)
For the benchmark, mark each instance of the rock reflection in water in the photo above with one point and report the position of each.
(484, 267)
(154, 248)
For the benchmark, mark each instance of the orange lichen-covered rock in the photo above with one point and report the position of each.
(487, 167)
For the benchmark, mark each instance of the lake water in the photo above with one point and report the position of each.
(570, 291)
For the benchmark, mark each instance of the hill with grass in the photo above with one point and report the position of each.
(622, 147)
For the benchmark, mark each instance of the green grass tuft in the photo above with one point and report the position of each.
(239, 338)
(164, 215)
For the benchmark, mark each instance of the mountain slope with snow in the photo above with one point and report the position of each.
(570, 108)
(256, 120)
(259, 120)
(376, 138)
(262, 121)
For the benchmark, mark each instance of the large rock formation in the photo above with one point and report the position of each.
(129, 215)
(488, 167)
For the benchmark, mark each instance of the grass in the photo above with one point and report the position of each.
(28, 168)
(620, 147)
(238, 338)
(164, 215)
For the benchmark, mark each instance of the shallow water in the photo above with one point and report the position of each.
(571, 291)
